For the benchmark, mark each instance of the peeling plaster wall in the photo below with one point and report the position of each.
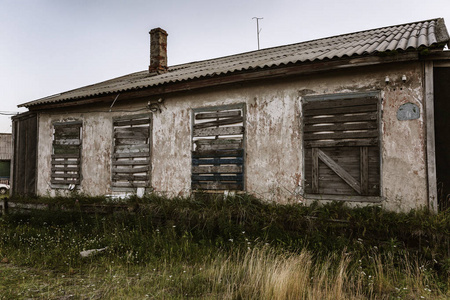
(274, 162)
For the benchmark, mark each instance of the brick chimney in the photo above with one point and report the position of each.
(158, 51)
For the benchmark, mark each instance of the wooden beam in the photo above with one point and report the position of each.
(344, 175)
(315, 170)
(430, 137)
(364, 170)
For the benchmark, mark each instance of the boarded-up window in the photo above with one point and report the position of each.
(218, 148)
(66, 157)
(341, 141)
(131, 159)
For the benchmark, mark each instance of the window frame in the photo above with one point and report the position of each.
(67, 166)
(239, 157)
(119, 185)
(335, 197)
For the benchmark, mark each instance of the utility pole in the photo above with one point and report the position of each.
(257, 28)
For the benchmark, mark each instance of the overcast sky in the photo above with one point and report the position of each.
(51, 46)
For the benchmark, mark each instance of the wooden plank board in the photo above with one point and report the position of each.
(217, 186)
(340, 143)
(132, 122)
(132, 135)
(217, 153)
(340, 135)
(55, 181)
(131, 148)
(221, 122)
(117, 177)
(131, 154)
(315, 170)
(308, 105)
(238, 177)
(219, 131)
(56, 156)
(340, 126)
(364, 170)
(341, 118)
(129, 162)
(131, 170)
(131, 141)
(218, 161)
(219, 114)
(338, 110)
(216, 169)
(129, 184)
(218, 144)
(340, 171)
(65, 175)
(74, 142)
(65, 169)
(142, 129)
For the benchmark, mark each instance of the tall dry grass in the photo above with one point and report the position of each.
(263, 273)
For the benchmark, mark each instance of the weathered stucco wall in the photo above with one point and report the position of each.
(274, 162)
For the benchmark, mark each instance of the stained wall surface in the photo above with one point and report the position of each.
(273, 137)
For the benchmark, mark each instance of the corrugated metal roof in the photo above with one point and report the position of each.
(405, 37)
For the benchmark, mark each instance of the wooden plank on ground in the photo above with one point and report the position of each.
(344, 175)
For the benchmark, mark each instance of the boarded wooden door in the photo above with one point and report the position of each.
(341, 141)
(24, 154)
(218, 148)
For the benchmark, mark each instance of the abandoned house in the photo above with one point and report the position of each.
(5, 157)
(358, 117)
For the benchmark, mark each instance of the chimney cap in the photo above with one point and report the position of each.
(158, 29)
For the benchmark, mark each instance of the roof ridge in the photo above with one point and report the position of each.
(310, 41)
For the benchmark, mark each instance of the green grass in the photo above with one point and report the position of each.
(233, 248)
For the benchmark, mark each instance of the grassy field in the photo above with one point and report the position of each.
(234, 248)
